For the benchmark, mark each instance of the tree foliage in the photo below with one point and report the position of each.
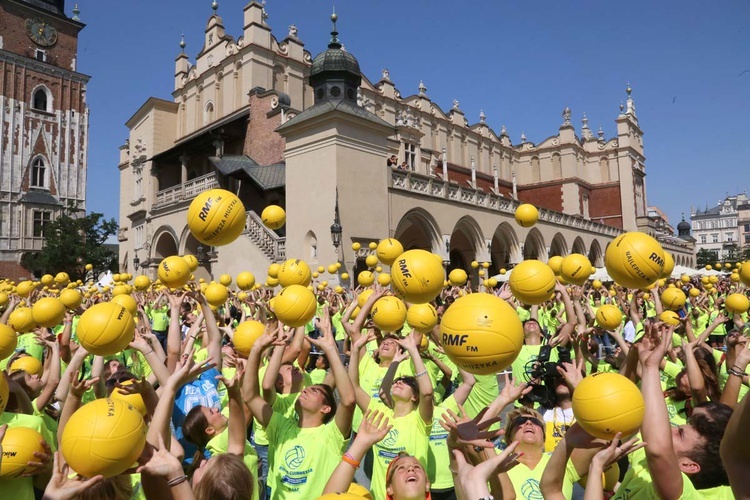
(72, 242)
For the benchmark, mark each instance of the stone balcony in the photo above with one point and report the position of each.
(187, 191)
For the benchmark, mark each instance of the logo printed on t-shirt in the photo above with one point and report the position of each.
(391, 438)
(531, 491)
(294, 457)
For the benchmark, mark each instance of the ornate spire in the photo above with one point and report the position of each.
(182, 43)
(422, 89)
(76, 12)
(523, 138)
(215, 6)
(622, 108)
(628, 89)
(334, 43)
(630, 104)
(600, 134)
(482, 116)
(585, 131)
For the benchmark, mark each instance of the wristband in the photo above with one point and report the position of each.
(737, 373)
(351, 461)
(177, 480)
(420, 374)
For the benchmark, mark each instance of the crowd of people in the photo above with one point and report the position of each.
(307, 407)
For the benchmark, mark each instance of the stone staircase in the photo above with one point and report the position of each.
(271, 244)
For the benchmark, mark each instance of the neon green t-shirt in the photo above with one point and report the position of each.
(438, 460)
(526, 481)
(301, 459)
(371, 378)
(409, 433)
(637, 482)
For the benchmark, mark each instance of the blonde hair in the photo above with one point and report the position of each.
(113, 488)
(514, 414)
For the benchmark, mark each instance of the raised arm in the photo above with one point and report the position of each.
(695, 377)
(461, 394)
(736, 375)
(347, 397)
(385, 386)
(735, 449)
(174, 334)
(237, 419)
(212, 331)
(656, 430)
(71, 370)
(262, 411)
(363, 399)
(426, 401)
(53, 375)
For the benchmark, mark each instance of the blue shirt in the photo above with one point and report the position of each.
(202, 391)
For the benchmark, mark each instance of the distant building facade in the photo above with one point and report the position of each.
(43, 125)
(260, 116)
(717, 229)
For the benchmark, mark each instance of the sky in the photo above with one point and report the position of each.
(522, 63)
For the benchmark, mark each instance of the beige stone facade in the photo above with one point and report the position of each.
(246, 116)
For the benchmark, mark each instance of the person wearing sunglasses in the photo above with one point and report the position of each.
(526, 427)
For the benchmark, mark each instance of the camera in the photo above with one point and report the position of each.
(545, 375)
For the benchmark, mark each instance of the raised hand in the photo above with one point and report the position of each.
(571, 373)
(375, 427)
(77, 388)
(615, 451)
(512, 390)
(64, 487)
(465, 431)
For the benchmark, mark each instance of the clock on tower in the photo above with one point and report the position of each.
(44, 116)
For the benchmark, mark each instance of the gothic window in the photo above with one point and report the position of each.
(138, 183)
(41, 220)
(38, 174)
(40, 100)
(208, 114)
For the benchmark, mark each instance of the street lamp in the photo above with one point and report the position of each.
(336, 228)
(136, 261)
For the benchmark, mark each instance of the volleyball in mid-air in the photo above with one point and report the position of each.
(526, 215)
(174, 271)
(216, 217)
(609, 317)
(575, 269)
(19, 446)
(294, 272)
(273, 217)
(634, 260)
(481, 333)
(105, 329)
(388, 250)
(532, 282)
(417, 276)
(295, 305)
(607, 403)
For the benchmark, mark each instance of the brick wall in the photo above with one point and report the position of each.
(604, 204)
(262, 143)
(15, 39)
(12, 270)
(545, 196)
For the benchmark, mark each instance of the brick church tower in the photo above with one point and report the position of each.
(43, 125)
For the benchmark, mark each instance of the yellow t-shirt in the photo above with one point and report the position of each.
(301, 459)
(637, 483)
(409, 433)
(526, 481)
(438, 460)
(219, 445)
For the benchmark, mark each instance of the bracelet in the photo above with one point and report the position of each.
(177, 480)
(424, 372)
(351, 461)
(147, 353)
(737, 373)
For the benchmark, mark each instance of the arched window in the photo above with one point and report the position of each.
(208, 115)
(556, 166)
(604, 169)
(38, 173)
(39, 100)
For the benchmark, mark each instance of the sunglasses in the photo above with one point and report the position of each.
(518, 422)
(118, 380)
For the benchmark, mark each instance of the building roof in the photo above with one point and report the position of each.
(266, 177)
(40, 198)
(343, 106)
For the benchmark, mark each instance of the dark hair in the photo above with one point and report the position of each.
(330, 400)
(115, 488)
(411, 382)
(706, 454)
(376, 354)
(19, 377)
(119, 376)
(194, 427)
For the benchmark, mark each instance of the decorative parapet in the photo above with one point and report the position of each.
(437, 188)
